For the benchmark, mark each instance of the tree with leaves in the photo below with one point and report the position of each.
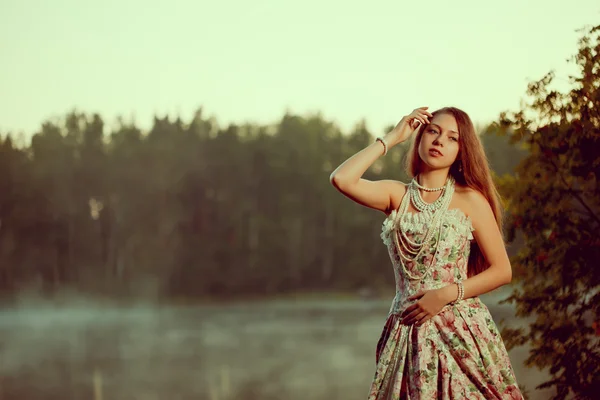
(189, 209)
(554, 203)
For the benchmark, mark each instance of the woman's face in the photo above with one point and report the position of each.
(439, 142)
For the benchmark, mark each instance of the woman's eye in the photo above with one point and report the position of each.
(455, 139)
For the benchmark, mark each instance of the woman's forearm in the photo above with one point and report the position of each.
(351, 170)
(484, 282)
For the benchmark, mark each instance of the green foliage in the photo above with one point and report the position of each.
(189, 209)
(554, 203)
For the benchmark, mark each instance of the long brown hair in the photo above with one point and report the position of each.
(475, 174)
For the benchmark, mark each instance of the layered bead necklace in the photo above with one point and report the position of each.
(412, 250)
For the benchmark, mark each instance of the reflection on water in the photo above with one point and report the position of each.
(268, 350)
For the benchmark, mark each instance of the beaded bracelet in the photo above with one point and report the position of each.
(385, 146)
(461, 292)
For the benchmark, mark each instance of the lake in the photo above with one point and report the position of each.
(284, 349)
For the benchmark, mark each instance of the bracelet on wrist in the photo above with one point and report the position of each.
(461, 292)
(383, 142)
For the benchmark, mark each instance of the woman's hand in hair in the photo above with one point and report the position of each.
(408, 125)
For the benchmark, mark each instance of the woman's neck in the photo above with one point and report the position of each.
(433, 178)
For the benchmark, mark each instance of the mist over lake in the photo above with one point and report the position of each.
(267, 349)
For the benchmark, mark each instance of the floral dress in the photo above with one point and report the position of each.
(457, 354)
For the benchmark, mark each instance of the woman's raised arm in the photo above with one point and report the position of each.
(347, 178)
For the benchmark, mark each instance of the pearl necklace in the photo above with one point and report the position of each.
(415, 182)
(421, 205)
(438, 208)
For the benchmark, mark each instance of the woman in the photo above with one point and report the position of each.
(443, 232)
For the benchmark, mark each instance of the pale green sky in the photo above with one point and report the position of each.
(252, 60)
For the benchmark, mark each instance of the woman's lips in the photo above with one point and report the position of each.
(435, 153)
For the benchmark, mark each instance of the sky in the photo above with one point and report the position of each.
(251, 61)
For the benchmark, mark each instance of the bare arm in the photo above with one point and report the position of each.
(490, 242)
(347, 178)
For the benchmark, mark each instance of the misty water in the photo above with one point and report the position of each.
(285, 349)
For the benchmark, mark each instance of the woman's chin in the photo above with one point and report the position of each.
(435, 163)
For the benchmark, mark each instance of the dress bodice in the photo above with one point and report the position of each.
(436, 265)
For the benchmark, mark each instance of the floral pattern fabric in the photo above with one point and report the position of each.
(457, 354)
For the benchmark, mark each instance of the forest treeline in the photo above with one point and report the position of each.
(191, 209)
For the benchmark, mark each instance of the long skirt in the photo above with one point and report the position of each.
(457, 354)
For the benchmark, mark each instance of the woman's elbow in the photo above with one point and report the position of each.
(336, 180)
(508, 275)
(503, 274)
(332, 178)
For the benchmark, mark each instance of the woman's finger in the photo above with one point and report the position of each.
(425, 118)
(424, 110)
(416, 318)
(412, 315)
(421, 317)
(408, 310)
(418, 118)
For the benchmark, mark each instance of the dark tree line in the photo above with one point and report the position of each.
(189, 209)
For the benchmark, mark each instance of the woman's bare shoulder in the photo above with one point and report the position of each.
(397, 191)
(468, 199)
